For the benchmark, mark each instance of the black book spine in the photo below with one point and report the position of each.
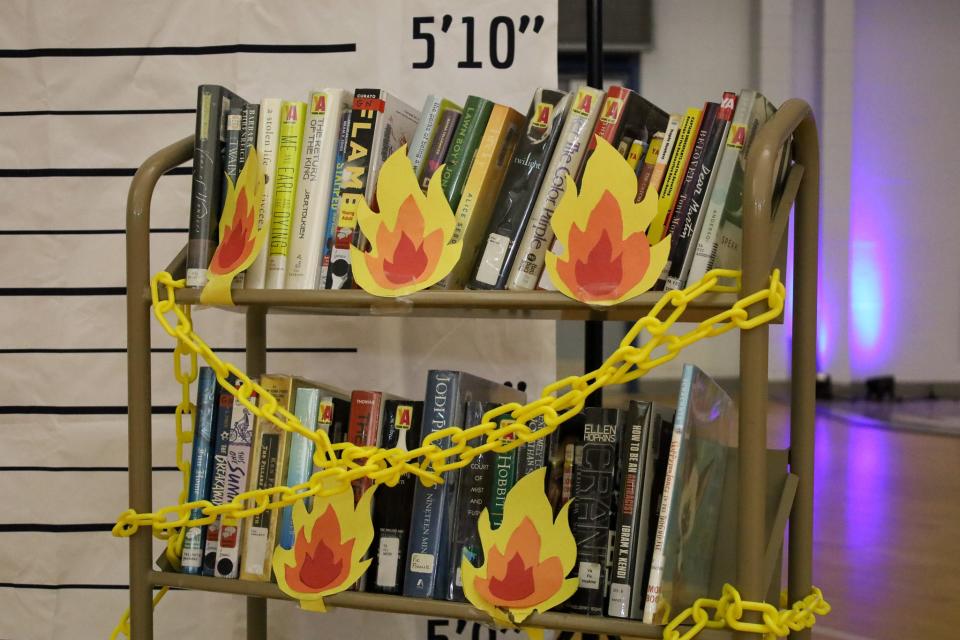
(341, 421)
(594, 509)
(213, 103)
(248, 132)
(631, 489)
(473, 488)
(391, 511)
(520, 187)
(425, 552)
(231, 150)
(532, 455)
(367, 105)
(689, 178)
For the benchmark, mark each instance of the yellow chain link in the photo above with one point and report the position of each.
(340, 464)
(729, 610)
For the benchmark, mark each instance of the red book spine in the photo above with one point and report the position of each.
(611, 116)
(364, 428)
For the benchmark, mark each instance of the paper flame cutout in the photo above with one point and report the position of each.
(607, 256)
(527, 558)
(409, 237)
(240, 240)
(327, 554)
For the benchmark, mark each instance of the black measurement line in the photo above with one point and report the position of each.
(42, 469)
(81, 350)
(83, 232)
(108, 52)
(94, 112)
(32, 527)
(63, 291)
(84, 172)
(77, 410)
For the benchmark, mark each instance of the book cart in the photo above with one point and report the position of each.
(757, 548)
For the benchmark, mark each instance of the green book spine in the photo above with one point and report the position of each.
(284, 190)
(466, 139)
(503, 475)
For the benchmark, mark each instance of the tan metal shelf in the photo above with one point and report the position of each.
(414, 606)
(457, 304)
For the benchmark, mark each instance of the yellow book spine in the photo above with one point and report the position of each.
(267, 464)
(634, 154)
(481, 189)
(292, 118)
(686, 138)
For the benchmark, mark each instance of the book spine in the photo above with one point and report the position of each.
(610, 123)
(473, 486)
(394, 505)
(268, 135)
(520, 189)
(532, 455)
(267, 457)
(231, 149)
(424, 555)
(300, 465)
(635, 153)
(664, 155)
(466, 139)
(238, 466)
(648, 165)
(565, 162)
(191, 559)
(446, 128)
(676, 170)
(335, 187)
(420, 143)
(674, 219)
(364, 430)
(249, 118)
(688, 229)
(503, 475)
(625, 548)
(310, 209)
(205, 195)
(658, 559)
(480, 191)
(284, 191)
(594, 479)
(221, 442)
(366, 106)
(394, 127)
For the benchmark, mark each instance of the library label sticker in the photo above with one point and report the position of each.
(606, 256)
(526, 559)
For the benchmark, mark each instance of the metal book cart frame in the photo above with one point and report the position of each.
(760, 242)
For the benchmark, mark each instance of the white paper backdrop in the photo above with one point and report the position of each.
(89, 90)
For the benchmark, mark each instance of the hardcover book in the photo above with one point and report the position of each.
(393, 506)
(269, 456)
(689, 513)
(520, 188)
(191, 559)
(567, 160)
(594, 509)
(463, 147)
(238, 465)
(366, 416)
(479, 195)
(284, 191)
(268, 135)
(249, 119)
(394, 127)
(231, 150)
(218, 470)
(434, 507)
(315, 181)
(473, 489)
(213, 105)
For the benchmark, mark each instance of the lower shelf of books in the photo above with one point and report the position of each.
(413, 606)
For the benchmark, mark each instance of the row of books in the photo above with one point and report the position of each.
(502, 173)
(645, 484)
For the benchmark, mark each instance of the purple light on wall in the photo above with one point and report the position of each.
(868, 323)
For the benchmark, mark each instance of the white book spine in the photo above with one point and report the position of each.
(317, 162)
(227, 564)
(395, 127)
(565, 161)
(268, 135)
(420, 143)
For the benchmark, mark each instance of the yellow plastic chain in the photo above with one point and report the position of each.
(338, 463)
(729, 610)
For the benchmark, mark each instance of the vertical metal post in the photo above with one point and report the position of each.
(593, 329)
(256, 366)
(804, 363)
(139, 414)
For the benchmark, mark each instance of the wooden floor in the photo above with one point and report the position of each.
(887, 532)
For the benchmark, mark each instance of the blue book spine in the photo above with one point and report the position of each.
(330, 231)
(192, 558)
(427, 552)
(220, 441)
(300, 465)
